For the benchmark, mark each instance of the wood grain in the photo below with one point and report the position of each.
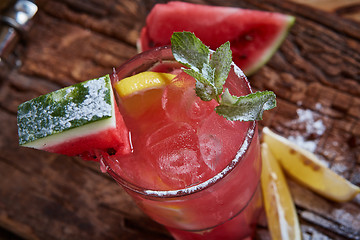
(315, 74)
(349, 9)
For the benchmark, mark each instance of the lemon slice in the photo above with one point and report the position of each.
(142, 93)
(142, 81)
(279, 206)
(308, 170)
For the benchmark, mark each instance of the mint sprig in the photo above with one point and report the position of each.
(210, 73)
(210, 70)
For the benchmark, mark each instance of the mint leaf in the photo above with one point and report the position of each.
(210, 70)
(221, 61)
(190, 51)
(245, 108)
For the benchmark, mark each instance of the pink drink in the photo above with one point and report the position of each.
(191, 170)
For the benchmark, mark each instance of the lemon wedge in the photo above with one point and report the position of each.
(304, 167)
(142, 93)
(279, 206)
(142, 81)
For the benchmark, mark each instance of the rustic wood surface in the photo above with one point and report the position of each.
(315, 74)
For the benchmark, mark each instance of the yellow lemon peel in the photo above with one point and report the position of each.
(279, 206)
(304, 167)
(142, 81)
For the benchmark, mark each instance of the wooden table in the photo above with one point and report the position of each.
(315, 74)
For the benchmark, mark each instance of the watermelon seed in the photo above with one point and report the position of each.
(111, 151)
(151, 44)
(248, 37)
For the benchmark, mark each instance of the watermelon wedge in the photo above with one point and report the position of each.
(254, 35)
(76, 120)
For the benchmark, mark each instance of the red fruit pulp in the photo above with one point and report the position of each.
(112, 140)
(253, 35)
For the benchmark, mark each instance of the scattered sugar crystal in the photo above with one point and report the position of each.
(318, 106)
(300, 141)
(339, 167)
(311, 126)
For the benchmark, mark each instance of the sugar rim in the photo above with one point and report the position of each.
(194, 188)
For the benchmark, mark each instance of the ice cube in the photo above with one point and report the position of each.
(181, 103)
(210, 149)
(174, 135)
(223, 138)
(178, 166)
(174, 149)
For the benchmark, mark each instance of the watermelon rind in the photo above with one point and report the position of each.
(79, 110)
(274, 47)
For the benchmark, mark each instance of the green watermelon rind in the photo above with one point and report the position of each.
(266, 56)
(82, 131)
(79, 110)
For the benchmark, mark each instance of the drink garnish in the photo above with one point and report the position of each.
(74, 120)
(140, 92)
(65, 109)
(278, 203)
(210, 70)
(307, 169)
(141, 82)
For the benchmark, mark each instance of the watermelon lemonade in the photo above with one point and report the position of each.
(190, 169)
(172, 134)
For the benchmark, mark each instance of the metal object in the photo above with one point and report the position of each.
(4, 4)
(13, 22)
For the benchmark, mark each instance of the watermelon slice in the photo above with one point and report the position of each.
(254, 35)
(76, 120)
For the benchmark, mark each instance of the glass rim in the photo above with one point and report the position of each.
(160, 194)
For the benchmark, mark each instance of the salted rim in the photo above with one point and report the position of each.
(194, 188)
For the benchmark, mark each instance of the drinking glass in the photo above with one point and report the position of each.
(225, 206)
